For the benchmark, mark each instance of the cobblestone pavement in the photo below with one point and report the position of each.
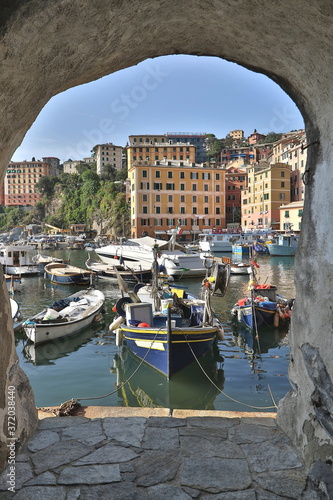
(189, 455)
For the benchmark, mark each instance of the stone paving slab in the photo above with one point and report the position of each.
(154, 455)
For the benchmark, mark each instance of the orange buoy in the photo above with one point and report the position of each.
(143, 325)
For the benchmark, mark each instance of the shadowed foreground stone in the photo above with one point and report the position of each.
(147, 458)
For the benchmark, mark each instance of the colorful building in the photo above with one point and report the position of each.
(170, 193)
(268, 188)
(291, 216)
(20, 181)
(291, 149)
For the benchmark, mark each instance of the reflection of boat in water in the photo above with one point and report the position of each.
(252, 344)
(188, 389)
(46, 354)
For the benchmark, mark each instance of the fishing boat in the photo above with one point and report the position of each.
(17, 260)
(172, 257)
(283, 245)
(65, 317)
(65, 274)
(263, 307)
(133, 274)
(167, 327)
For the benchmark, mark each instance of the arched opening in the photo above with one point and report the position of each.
(45, 52)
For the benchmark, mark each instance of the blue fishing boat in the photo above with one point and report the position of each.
(167, 327)
(65, 274)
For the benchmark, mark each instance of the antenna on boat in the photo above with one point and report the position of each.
(155, 294)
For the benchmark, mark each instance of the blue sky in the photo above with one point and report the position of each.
(168, 94)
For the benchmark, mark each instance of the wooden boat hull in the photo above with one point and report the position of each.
(63, 274)
(169, 353)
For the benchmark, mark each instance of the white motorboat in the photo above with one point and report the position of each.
(17, 259)
(172, 257)
(65, 317)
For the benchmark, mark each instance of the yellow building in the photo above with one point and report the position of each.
(147, 150)
(291, 216)
(166, 194)
(268, 188)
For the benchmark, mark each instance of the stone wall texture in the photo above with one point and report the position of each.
(48, 46)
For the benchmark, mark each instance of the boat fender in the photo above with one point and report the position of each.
(116, 322)
(119, 337)
(120, 305)
(143, 325)
(220, 333)
(276, 319)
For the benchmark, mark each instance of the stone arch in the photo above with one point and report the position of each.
(47, 47)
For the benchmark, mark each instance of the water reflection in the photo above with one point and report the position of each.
(49, 352)
(195, 387)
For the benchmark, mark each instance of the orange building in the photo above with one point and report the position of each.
(168, 193)
(20, 182)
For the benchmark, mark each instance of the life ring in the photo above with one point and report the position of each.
(120, 305)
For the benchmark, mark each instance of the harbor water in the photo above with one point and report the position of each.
(241, 373)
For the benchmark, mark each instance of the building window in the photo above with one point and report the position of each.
(158, 197)
(170, 198)
(182, 187)
(217, 210)
(157, 210)
(182, 175)
(170, 222)
(158, 174)
(194, 210)
(217, 188)
(182, 198)
(144, 197)
(286, 213)
(170, 210)
(282, 196)
(194, 175)
(194, 187)
(282, 184)
(170, 187)
(169, 175)
(144, 210)
(205, 187)
(282, 173)
(158, 186)
(300, 213)
(158, 222)
(217, 199)
(266, 196)
(194, 199)
(206, 211)
(217, 177)
(182, 210)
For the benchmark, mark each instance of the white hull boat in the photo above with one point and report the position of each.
(17, 259)
(66, 317)
(172, 258)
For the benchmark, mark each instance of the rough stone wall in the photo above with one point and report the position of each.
(47, 46)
